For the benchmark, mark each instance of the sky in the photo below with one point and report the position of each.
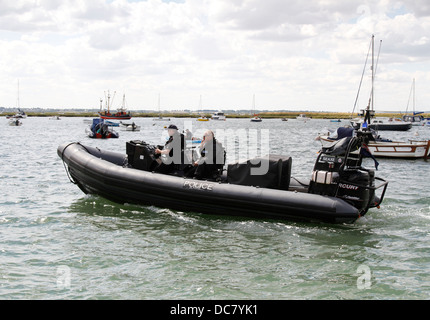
(214, 54)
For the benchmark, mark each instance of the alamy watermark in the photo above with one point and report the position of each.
(240, 145)
(64, 277)
(364, 280)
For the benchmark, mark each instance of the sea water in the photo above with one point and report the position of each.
(58, 243)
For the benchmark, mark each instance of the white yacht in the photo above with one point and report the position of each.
(219, 115)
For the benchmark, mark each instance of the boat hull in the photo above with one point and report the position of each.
(15, 123)
(96, 135)
(121, 115)
(106, 174)
(130, 128)
(402, 150)
(111, 135)
(391, 126)
(113, 117)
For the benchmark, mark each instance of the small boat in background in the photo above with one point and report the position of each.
(160, 118)
(129, 126)
(111, 123)
(382, 124)
(19, 115)
(100, 130)
(219, 115)
(256, 117)
(55, 118)
(415, 118)
(202, 118)
(303, 117)
(15, 122)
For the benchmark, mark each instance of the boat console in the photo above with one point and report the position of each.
(141, 155)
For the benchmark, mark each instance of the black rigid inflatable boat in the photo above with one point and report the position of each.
(340, 190)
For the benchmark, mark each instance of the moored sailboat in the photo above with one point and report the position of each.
(415, 117)
(256, 117)
(20, 113)
(160, 118)
(368, 116)
(377, 146)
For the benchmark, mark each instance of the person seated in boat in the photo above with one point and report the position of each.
(172, 155)
(212, 158)
(188, 134)
(102, 129)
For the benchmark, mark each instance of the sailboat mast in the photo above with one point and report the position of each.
(106, 101)
(413, 88)
(108, 106)
(373, 70)
(367, 116)
(17, 99)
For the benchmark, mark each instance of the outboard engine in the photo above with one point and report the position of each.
(338, 173)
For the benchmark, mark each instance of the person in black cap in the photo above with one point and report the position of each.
(173, 151)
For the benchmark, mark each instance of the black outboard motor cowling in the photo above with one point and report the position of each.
(338, 173)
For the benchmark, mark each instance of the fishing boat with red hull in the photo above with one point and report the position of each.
(121, 114)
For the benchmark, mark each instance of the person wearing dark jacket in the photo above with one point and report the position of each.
(211, 160)
(172, 154)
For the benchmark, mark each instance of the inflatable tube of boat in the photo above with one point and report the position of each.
(106, 174)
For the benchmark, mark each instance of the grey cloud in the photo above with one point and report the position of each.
(420, 8)
(97, 10)
(257, 15)
(107, 39)
(50, 15)
(14, 7)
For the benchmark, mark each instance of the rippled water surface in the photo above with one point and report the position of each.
(58, 243)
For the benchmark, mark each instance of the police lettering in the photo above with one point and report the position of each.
(198, 185)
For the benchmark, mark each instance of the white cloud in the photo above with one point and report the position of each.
(291, 54)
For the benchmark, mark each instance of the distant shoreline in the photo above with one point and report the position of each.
(264, 115)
